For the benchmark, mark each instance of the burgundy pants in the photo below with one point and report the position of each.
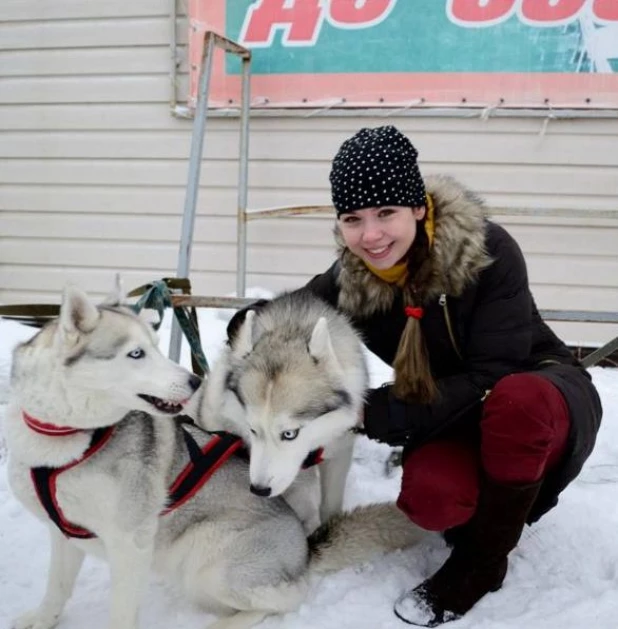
(524, 428)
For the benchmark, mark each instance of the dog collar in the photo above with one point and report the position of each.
(48, 429)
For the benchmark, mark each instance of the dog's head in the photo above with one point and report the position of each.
(96, 363)
(291, 400)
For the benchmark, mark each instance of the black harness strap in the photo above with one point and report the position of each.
(204, 463)
(315, 457)
(44, 479)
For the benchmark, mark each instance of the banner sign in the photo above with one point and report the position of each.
(376, 53)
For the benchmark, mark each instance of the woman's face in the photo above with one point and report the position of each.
(381, 236)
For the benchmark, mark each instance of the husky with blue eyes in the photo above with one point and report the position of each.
(291, 383)
(98, 452)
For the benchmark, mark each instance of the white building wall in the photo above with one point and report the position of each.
(93, 169)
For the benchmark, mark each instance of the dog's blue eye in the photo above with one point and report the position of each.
(137, 353)
(289, 435)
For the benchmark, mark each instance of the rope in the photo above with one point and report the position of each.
(158, 296)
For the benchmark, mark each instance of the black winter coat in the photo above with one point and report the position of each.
(480, 324)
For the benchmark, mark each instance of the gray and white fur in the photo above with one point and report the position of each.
(291, 382)
(236, 554)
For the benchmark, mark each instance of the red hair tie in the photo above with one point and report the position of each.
(414, 311)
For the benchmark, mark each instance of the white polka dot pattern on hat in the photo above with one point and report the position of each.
(376, 167)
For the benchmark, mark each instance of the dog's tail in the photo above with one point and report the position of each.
(351, 538)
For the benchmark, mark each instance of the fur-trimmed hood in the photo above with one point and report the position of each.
(456, 257)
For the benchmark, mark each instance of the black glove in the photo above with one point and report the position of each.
(390, 420)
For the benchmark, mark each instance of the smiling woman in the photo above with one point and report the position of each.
(495, 415)
(381, 236)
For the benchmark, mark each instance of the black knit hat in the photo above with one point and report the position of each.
(376, 167)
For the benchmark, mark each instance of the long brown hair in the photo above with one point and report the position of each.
(414, 381)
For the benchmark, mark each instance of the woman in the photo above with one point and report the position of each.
(494, 414)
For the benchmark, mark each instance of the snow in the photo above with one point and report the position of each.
(563, 574)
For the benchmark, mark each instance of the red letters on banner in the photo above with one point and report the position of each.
(553, 11)
(349, 13)
(479, 12)
(606, 10)
(534, 12)
(301, 22)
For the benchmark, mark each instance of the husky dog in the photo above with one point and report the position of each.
(97, 452)
(291, 384)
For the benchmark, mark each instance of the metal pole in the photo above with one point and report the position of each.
(173, 52)
(599, 354)
(241, 221)
(193, 184)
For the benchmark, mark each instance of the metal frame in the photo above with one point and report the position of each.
(212, 40)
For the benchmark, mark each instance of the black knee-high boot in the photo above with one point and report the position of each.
(478, 561)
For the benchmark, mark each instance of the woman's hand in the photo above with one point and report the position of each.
(388, 419)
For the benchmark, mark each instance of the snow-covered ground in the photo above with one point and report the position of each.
(563, 575)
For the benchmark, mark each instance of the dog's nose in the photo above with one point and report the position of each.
(264, 492)
(194, 382)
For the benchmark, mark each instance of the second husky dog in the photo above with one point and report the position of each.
(96, 452)
(291, 384)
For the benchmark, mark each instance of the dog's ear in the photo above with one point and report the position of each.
(77, 313)
(117, 296)
(243, 343)
(237, 320)
(320, 346)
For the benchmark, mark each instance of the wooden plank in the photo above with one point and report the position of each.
(566, 240)
(35, 10)
(213, 200)
(205, 257)
(584, 334)
(295, 174)
(91, 116)
(563, 297)
(530, 179)
(113, 116)
(86, 61)
(411, 125)
(594, 200)
(149, 228)
(122, 88)
(437, 149)
(98, 144)
(570, 240)
(95, 33)
(38, 279)
(558, 270)
(35, 284)
(122, 199)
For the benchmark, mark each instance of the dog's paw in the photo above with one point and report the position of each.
(35, 620)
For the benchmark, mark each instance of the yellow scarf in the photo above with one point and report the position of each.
(398, 274)
(430, 224)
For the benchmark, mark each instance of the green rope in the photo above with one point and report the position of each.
(157, 296)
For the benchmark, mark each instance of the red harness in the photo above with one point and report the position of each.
(205, 461)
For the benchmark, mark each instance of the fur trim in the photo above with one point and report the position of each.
(457, 256)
